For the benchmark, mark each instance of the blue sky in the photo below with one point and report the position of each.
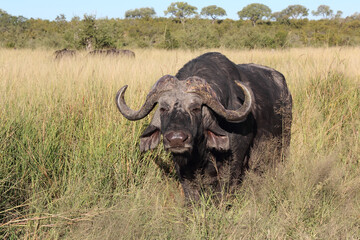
(47, 9)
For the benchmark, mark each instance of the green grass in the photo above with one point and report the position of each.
(70, 166)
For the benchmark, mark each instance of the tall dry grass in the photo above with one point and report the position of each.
(70, 167)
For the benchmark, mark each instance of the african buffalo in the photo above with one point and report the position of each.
(64, 53)
(113, 52)
(213, 115)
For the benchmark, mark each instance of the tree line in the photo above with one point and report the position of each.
(253, 12)
(257, 27)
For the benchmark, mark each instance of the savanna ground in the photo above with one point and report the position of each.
(70, 166)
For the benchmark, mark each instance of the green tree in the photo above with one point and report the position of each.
(60, 21)
(88, 32)
(169, 41)
(213, 11)
(278, 16)
(132, 13)
(75, 19)
(338, 14)
(323, 10)
(295, 11)
(355, 16)
(146, 13)
(181, 10)
(11, 28)
(254, 12)
(104, 34)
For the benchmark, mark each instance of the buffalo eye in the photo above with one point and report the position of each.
(196, 110)
(164, 109)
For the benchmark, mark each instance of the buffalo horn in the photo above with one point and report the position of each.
(162, 85)
(210, 99)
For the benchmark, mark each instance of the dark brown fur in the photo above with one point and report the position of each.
(209, 152)
(113, 52)
(64, 53)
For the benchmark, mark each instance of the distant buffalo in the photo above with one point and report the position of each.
(64, 53)
(113, 52)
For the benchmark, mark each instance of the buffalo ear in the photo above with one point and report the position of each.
(217, 142)
(216, 137)
(151, 136)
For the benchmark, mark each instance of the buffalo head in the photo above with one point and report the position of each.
(185, 115)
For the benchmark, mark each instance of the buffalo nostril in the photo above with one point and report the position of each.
(178, 137)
